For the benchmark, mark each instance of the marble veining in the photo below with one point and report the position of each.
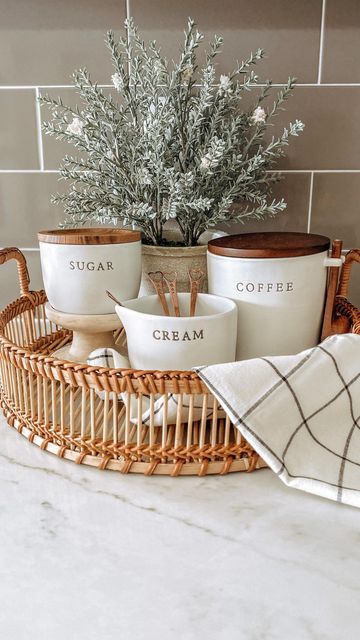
(86, 554)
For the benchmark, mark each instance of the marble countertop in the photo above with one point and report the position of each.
(88, 554)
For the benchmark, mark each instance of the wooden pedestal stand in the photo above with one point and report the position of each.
(89, 332)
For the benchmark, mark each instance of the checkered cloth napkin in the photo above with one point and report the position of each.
(301, 413)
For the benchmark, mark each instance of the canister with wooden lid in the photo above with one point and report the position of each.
(79, 265)
(279, 283)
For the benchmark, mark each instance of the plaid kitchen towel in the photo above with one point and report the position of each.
(301, 413)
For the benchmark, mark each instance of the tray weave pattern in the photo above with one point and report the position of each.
(74, 410)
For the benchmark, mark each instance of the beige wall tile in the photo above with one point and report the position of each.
(331, 128)
(341, 42)
(354, 289)
(25, 207)
(288, 31)
(55, 150)
(335, 210)
(18, 141)
(294, 188)
(9, 284)
(43, 42)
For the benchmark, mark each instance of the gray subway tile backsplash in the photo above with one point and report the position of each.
(43, 42)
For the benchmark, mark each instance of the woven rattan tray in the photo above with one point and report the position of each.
(74, 410)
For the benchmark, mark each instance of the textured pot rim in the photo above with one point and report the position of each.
(174, 251)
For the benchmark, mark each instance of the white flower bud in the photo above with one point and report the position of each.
(75, 127)
(259, 116)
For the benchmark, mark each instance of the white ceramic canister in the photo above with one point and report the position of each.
(172, 343)
(279, 283)
(79, 265)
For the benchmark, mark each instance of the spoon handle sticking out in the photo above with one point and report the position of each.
(112, 297)
(196, 276)
(157, 280)
(170, 279)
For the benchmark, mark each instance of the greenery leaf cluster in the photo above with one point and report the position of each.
(173, 143)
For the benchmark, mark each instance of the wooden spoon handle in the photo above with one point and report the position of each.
(170, 279)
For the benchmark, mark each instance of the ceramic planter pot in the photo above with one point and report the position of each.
(278, 281)
(179, 259)
(79, 265)
(163, 342)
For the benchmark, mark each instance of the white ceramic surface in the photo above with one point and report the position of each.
(156, 341)
(97, 555)
(76, 277)
(280, 300)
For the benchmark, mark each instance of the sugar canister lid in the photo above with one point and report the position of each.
(92, 235)
(269, 245)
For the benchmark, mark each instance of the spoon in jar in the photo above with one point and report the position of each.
(196, 276)
(170, 279)
(157, 280)
(112, 297)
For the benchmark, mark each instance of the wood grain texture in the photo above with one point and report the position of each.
(269, 245)
(95, 235)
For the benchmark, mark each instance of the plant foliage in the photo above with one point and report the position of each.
(174, 143)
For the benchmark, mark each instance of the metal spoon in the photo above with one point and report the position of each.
(196, 276)
(170, 279)
(111, 295)
(157, 279)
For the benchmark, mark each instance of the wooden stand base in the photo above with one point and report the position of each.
(89, 332)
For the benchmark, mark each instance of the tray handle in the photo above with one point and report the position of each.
(351, 257)
(12, 253)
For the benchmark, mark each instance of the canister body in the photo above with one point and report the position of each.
(76, 277)
(280, 300)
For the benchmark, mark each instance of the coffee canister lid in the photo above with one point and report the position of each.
(92, 235)
(269, 245)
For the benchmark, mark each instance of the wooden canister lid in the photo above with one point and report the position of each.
(92, 235)
(269, 245)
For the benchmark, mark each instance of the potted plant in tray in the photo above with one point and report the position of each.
(173, 146)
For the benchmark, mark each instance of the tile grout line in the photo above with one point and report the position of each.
(321, 43)
(38, 130)
(311, 190)
(127, 9)
(28, 87)
(291, 171)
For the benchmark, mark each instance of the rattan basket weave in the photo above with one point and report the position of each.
(74, 410)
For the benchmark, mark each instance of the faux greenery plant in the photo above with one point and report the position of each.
(174, 144)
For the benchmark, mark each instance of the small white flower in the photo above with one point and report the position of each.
(259, 116)
(225, 84)
(205, 162)
(117, 81)
(75, 127)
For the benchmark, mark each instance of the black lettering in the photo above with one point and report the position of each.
(198, 336)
